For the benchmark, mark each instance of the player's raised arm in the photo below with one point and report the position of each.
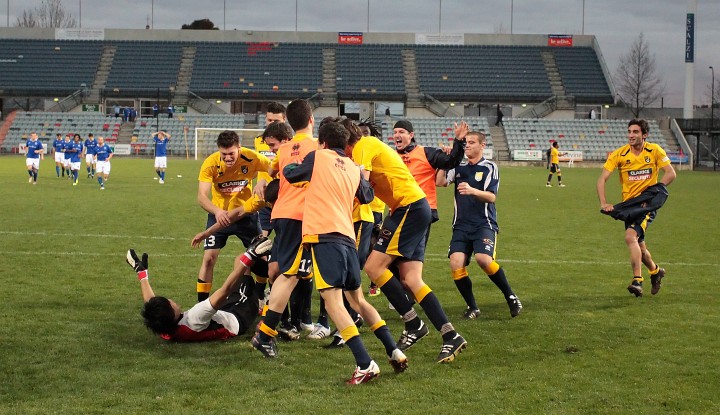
(140, 266)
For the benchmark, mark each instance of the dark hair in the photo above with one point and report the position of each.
(375, 128)
(159, 316)
(227, 139)
(353, 129)
(276, 108)
(279, 130)
(327, 120)
(478, 134)
(78, 136)
(333, 135)
(59, 135)
(272, 190)
(555, 144)
(91, 135)
(299, 113)
(644, 127)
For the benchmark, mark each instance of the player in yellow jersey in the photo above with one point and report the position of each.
(638, 163)
(225, 183)
(377, 206)
(402, 240)
(275, 113)
(555, 164)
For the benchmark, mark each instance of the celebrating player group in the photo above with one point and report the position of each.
(315, 195)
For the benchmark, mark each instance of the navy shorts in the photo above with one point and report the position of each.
(378, 218)
(264, 216)
(554, 168)
(246, 229)
(640, 225)
(335, 265)
(363, 235)
(243, 303)
(288, 249)
(404, 230)
(481, 241)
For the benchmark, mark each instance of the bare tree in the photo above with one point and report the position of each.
(50, 13)
(636, 77)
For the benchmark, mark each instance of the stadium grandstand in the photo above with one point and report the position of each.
(52, 84)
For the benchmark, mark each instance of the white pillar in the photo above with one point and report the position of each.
(690, 23)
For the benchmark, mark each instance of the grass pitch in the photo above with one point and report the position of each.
(73, 341)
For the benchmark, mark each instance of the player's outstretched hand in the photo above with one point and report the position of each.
(260, 246)
(136, 263)
(198, 239)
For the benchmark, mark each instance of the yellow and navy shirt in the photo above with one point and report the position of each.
(554, 155)
(389, 176)
(377, 205)
(232, 186)
(637, 173)
(262, 148)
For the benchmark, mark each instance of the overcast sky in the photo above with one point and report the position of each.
(615, 23)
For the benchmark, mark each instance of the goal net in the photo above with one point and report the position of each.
(205, 139)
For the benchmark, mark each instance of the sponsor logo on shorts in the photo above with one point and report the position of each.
(488, 242)
(232, 186)
(639, 175)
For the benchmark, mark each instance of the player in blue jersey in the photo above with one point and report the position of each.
(90, 146)
(76, 150)
(33, 156)
(103, 154)
(161, 139)
(66, 156)
(475, 226)
(59, 154)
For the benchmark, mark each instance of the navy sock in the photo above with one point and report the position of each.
(383, 333)
(362, 358)
(501, 282)
(464, 285)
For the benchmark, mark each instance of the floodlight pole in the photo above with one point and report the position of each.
(511, 17)
(157, 119)
(8, 13)
(712, 99)
(583, 18)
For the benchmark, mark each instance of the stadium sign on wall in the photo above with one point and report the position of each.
(560, 40)
(121, 149)
(572, 155)
(79, 34)
(527, 155)
(439, 39)
(91, 108)
(350, 38)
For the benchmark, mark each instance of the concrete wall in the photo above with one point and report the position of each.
(285, 36)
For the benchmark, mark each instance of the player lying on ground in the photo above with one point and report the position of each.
(228, 312)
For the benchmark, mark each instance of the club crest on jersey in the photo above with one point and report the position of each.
(244, 169)
(647, 159)
(478, 176)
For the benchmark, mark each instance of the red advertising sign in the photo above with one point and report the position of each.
(350, 38)
(560, 40)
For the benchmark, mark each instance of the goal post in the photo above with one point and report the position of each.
(205, 139)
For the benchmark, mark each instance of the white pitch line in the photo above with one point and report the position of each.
(87, 235)
(433, 258)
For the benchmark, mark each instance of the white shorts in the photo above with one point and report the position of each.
(103, 167)
(75, 165)
(33, 163)
(89, 159)
(66, 162)
(161, 162)
(59, 157)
